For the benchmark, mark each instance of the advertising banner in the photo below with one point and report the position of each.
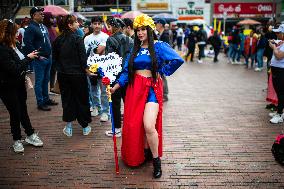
(243, 10)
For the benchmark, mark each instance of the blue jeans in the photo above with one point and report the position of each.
(235, 52)
(99, 97)
(230, 51)
(42, 76)
(259, 56)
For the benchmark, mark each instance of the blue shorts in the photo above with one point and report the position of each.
(152, 96)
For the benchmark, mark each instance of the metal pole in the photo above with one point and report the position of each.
(117, 6)
(71, 6)
(224, 25)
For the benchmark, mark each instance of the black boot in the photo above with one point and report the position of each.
(157, 167)
(148, 155)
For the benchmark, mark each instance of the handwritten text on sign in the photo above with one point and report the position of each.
(111, 64)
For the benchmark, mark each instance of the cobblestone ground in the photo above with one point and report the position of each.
(216, 135)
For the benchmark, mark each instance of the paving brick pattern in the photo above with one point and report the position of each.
(216, 135)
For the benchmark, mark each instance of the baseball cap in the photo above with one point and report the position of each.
(280, 29)
(161, 21)
(35, 9)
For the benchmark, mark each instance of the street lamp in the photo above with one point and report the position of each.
(224, 25)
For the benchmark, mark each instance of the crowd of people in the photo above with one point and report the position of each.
(50, 47)
(56, 51)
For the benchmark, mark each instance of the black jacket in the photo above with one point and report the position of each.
(69, 54)
(165, 37)
(12, 69)
(35, 39)
(119, 43)
(215, 41)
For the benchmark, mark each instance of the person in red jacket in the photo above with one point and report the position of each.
(250, 49)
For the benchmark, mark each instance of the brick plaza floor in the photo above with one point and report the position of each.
(216, 135)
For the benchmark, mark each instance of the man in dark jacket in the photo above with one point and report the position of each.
(36, 38)
(216, 43)
(121, 45)
(165, 37)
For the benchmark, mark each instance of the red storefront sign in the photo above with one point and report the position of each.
(243, 9)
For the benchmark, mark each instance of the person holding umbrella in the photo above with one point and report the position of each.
(142, 125)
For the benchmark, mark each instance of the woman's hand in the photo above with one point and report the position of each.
(33, 55)
(272, 44)
(90, 73)
(114, 88)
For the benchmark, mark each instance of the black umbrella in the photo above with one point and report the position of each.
(166, 16)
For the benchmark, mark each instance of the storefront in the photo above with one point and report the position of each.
(233, 12)
(187, 10)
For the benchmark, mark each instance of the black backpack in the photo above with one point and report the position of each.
(278, 149)
(123, 45)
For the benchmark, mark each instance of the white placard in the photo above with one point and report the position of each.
(111, 64)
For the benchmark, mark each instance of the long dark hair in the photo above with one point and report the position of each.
(137, 46)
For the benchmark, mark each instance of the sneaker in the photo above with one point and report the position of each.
(53, 93)
(87, 130)
(277, 119)
(272, 114)
(258, 69)
(117, 133)
(51, 103)
(104, 117)
(67, 131)
(34, 140)
(18, 146)
(199, 61)
(43, 108)
(95, 112)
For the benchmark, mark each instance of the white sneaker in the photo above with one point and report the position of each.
(199, 61)
(258, 69)
(34, 140)
(95, 112)
(117, 133)
(104, 117)
(272, 114)
(276, 119)
(18, 146)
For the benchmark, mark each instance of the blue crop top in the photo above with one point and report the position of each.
(167, 58)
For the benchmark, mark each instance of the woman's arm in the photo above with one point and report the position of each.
(277, 52)
(169, 55)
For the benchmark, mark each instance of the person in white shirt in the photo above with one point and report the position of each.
(179, 38)
(277, 69)
(96, 43)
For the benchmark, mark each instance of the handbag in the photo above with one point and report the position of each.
(28, 82)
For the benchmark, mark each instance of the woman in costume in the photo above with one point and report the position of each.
(144, 95)
(70, 57)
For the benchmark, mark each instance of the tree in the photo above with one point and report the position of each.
(9, 8)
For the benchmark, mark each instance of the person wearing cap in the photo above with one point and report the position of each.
(36, 38)
(142, 122)
(121, 45)
(277, 69)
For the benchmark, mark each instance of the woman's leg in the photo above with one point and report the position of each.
(149, 120)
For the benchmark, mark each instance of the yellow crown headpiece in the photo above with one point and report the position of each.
(143, 20)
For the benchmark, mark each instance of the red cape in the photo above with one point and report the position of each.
(133, 134)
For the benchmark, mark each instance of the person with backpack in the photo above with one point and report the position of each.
(142, 122)
(121, 45)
